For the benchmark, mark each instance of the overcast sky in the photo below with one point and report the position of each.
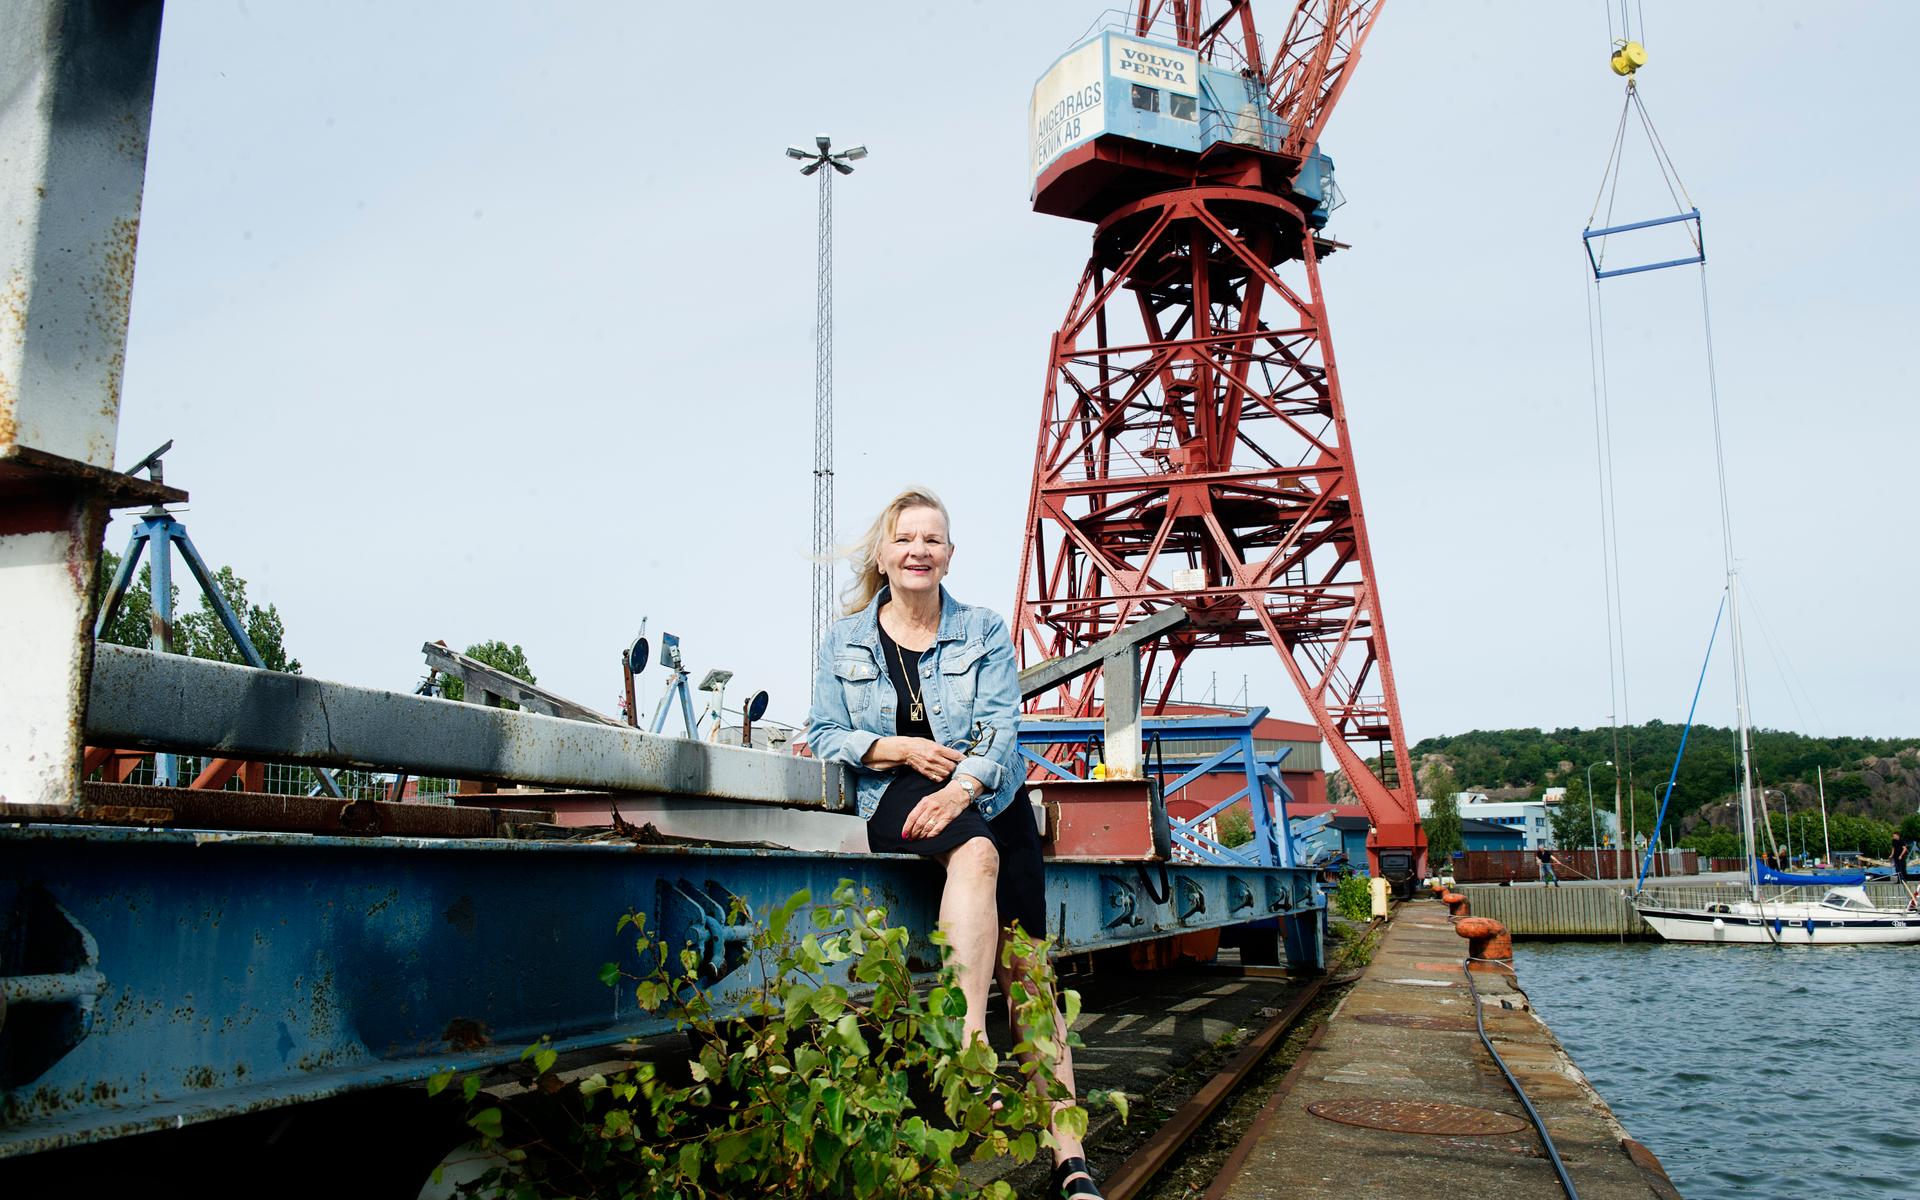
(492, 320)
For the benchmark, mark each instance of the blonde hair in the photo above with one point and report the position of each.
(864, 554)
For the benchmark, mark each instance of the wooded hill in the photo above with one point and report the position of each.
(1871, 777)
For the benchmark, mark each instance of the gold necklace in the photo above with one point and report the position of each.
(915, 711)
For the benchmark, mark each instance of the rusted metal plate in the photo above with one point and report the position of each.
(1416, 1021)
(1419, 1116)
(186, 808)
(1102, 820)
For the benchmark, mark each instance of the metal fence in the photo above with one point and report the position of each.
(1520, 866)
(288, 779)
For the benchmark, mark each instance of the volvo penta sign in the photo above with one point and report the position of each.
(1155, 66)
(1068, 107)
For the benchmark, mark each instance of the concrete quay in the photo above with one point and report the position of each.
(1397, 1096)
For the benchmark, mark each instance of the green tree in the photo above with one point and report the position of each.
(1443, 819)
(1910, 827)
(1573, 820)
(1439, 780)
(198, 634)
(1714, 843)
(498, 655)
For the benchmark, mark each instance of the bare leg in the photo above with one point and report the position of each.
(1066, 1144)
(970, 916)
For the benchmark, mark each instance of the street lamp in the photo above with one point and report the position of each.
(1593, 822)
(823, 612)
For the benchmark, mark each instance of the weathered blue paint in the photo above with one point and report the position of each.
(223, 972)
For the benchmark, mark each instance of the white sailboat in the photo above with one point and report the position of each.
(1842, 915)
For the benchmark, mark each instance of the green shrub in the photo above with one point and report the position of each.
(1353, 898)
(801, 1091)
(1235, 826)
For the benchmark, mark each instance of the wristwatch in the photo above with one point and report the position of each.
(970, 786)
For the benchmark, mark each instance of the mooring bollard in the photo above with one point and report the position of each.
(1456, 904)
(1486, 939)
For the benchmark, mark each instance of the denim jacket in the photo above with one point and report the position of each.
(968, 679)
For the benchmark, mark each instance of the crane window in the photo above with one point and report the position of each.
(1146, 99)
(1182, 108)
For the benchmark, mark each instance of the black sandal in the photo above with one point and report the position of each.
(1081, 1188)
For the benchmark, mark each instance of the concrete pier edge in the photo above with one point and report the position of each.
(1402, 1041)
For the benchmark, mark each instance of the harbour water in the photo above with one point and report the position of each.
(1749, 1070)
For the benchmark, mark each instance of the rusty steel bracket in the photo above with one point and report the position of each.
(1117, 903)
(1193, 898)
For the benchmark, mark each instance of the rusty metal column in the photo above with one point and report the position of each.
(76, 101)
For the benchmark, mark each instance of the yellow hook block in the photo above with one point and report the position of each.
(1628, 57)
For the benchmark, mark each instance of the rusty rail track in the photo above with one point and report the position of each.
(1131, 1177)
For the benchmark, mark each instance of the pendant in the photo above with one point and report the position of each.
(916, 711)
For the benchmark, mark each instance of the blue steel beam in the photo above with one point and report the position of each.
(160, 977)
(1588, 236)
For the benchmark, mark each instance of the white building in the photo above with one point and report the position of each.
(1531, 817)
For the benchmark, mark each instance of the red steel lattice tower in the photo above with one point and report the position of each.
(1193, 442)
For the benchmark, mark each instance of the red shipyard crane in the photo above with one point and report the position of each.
(1193, 444)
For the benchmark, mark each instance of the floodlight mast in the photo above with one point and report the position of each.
(823, 607)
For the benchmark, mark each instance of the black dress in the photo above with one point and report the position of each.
(1023, 886)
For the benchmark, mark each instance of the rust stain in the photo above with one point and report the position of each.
(460, 914)
(465, 1034)
(13, 327)
(1646, 1160)
(112, 302)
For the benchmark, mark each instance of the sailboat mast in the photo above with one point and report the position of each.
(1826, 839)
(1746, 738)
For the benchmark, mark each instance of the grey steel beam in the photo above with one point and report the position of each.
(1046, 676)
(1125, 752)
(148, 701)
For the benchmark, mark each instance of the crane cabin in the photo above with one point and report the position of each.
(1119, 115)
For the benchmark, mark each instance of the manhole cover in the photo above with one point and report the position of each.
(1416, 1021)
(1418, 1116)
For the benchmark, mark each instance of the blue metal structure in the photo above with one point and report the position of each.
(1263, 788)
(159, 529)
(676, 686)
(1691, 217)
(160, 977)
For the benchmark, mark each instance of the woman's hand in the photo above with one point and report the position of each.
(935, 813)
(924, 755)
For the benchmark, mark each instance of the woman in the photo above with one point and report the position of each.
(919, 694)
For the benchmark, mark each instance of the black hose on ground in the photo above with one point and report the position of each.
(1546, 1139)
